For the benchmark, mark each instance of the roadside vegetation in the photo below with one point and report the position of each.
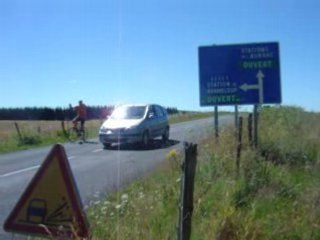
(188, 116)
(42, 133)
(36, 133)
(276, 195)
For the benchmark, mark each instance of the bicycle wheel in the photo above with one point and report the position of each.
(73, 134)
(84, 134)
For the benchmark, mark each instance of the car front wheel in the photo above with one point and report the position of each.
(106, 145)
(165, 135)
(145, 139)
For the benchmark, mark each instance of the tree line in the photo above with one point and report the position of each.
(58, 113)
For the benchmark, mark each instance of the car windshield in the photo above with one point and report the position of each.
(129, 112)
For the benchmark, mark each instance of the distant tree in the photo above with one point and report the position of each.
(59, 113)
(172, 110)
(46, 113)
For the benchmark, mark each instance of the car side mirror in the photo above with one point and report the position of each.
(150, 115)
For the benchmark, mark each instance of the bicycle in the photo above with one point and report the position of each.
(77, 133)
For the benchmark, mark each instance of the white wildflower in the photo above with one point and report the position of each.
(96, 195)
(124, 197)
(118, 206)
(104, 208)
(141, 195)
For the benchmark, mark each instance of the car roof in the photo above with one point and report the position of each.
(138, 105)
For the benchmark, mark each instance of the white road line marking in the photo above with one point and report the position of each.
(19, 171)
(25, 169)
(97, 150)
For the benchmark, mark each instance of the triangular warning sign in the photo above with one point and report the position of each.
(51, 204)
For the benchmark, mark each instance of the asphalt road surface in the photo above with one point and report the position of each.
(97, 171)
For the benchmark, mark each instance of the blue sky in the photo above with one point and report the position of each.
(57, 52)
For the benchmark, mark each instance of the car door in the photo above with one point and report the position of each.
(152, 121)
(161, 120)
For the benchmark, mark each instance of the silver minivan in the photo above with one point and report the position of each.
(135, 124)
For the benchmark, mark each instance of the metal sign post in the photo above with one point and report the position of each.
(255, 123)
(216, 122)
(236, 117)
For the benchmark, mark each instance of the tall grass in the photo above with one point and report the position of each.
(290, 135)
(274, 198)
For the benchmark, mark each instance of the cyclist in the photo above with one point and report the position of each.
(81, 117)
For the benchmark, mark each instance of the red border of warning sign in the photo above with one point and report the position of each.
(12, 225)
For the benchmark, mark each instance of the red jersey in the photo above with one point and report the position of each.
(82, 111)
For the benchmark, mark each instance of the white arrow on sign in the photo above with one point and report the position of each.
(245, 87)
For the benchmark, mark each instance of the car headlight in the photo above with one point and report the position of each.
(103, 130)
(130, 129)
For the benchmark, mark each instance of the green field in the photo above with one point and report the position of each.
(42, 133)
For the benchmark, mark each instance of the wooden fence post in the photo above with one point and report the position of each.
(186, 194)
(239, 147)
(18, 131)
(63, 128)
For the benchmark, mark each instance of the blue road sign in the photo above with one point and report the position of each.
(239, 74)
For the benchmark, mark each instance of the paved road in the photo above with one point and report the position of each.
(97, 171)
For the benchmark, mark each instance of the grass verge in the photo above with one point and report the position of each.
(270, 199)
